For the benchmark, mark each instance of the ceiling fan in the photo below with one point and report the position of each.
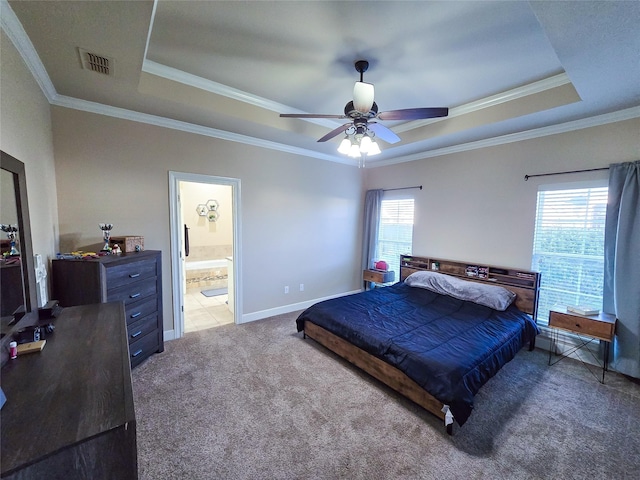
(363, 110)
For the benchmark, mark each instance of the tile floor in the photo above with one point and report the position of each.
(202, 312)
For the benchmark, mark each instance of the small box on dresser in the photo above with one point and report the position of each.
(129, 243)
(132, 278)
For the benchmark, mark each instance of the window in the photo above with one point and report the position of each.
(395, 236)
(568, 247)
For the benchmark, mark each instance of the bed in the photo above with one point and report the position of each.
(437, 335)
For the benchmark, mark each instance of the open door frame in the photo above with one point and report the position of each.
(177, 270)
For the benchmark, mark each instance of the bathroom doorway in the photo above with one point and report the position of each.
(204, 254)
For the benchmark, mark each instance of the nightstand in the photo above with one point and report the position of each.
(594, 327)
(378, 276)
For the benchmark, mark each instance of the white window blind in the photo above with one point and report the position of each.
(395, 236)
(568, 247)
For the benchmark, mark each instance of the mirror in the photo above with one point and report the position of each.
(11, 285)
(17, 283)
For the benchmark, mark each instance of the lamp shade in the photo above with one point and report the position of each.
(345, 146)
(363, 97)
(354, 150)
(365, 144)
(374, 148)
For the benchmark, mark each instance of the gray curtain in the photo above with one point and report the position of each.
(372, 203)
(621, 295)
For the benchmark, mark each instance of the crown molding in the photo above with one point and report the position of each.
(613, 117)
(207, 85)
(125, 114)
(151, 22)
(500, 98)
(14, 30)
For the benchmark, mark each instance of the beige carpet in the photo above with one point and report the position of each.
(256, 401)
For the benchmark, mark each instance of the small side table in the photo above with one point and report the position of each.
(378, 276)
(594, 327)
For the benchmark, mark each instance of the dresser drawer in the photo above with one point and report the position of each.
(139, 329)
(582, 325)
(138, 310)
(131, 272)
(141, 349)
(134, 292)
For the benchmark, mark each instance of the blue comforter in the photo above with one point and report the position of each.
(449, 347)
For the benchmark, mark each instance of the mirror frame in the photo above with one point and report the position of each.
(16, 167)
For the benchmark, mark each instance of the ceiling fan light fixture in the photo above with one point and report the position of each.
(365, 144)
(354, 150)
(363, 97)
(345, 146)
(362, 112)
(374, 148)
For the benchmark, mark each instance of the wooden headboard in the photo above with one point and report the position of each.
(524, 283)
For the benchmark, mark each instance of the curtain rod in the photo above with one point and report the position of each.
(401, 188)
(527, 177)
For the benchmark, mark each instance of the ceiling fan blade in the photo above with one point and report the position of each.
(383, 132)
(363, 97)
(310, 115)
(413, 113)
(335, 132)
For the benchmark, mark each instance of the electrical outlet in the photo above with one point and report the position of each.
(286, 289)
(302, 287)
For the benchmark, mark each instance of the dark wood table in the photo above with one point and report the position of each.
(69, 410)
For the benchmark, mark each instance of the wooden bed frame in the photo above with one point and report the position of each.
(525, 284)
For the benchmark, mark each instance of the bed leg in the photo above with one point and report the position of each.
(304, 335)
(532, 345)
(450, 429)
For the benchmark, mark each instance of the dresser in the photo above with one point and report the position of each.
(133, 278)
(69, 410)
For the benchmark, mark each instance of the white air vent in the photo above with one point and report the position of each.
(95, 62)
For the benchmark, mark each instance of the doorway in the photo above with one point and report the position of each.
(205, 256)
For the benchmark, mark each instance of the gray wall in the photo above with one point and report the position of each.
(300, 217)
(476, 205)
(25, 133)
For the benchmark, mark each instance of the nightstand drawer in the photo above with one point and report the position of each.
(378, 276)
(582, 325)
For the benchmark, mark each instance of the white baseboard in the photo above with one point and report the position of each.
(169, 335)
(293, 307)
(252, 317)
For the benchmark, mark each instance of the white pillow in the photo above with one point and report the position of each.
(491, 296)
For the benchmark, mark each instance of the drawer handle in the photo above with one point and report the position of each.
(137, 353)
(578, 325)
(136, 334)
(135, 295)
(135, 315)
(134, 275)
